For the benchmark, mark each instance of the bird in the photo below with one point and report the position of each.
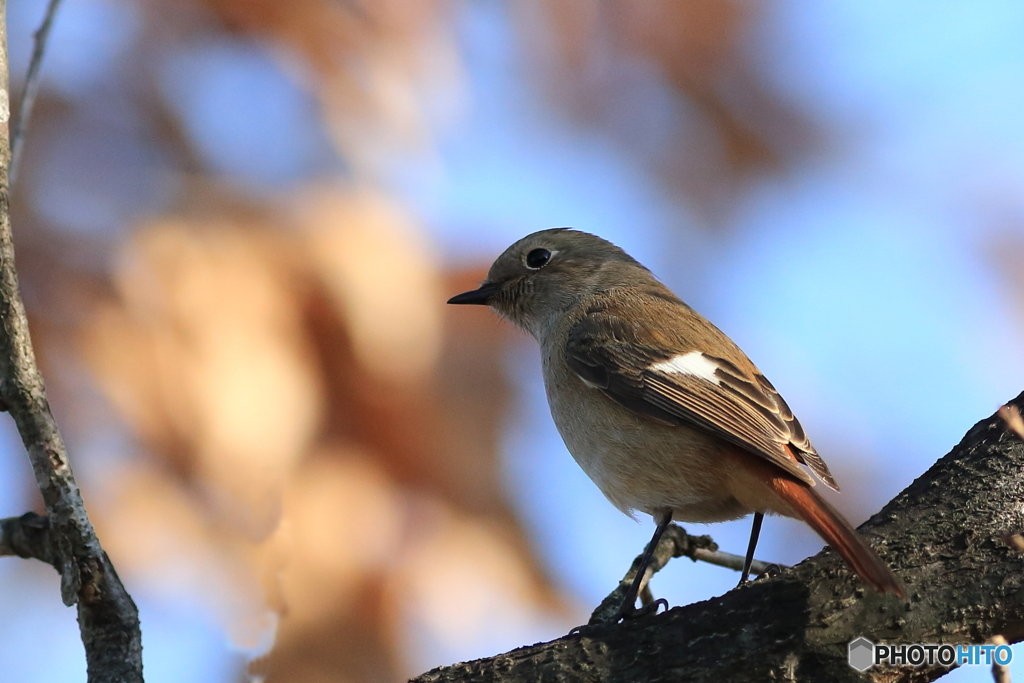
(664, 413)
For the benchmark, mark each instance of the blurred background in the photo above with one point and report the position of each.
(238, 221)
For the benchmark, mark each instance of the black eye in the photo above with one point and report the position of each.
(537, 259)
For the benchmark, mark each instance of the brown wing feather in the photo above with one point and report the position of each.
(616, 354)
(802, 448)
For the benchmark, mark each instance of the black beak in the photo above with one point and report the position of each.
(480, 296)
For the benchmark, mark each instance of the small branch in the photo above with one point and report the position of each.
(733, 562)
(28, 537)
(107, 616)
(674, 543)
(28, 97)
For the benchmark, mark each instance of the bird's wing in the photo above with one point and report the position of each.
(637, 367)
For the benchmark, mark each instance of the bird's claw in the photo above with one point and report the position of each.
(630, 613)
(623, 614)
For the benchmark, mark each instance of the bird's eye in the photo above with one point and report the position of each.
(537, 259)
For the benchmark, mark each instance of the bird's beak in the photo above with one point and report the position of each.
(481, 296)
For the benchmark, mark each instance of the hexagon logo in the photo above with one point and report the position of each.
(862, 654)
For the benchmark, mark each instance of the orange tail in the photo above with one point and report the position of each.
(838, 533)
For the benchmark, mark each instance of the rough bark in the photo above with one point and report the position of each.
(949, 535)
(107, 615)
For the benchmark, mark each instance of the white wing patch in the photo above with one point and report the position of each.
(693, 363)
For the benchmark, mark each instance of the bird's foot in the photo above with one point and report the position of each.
(624, 613)
(629, 613)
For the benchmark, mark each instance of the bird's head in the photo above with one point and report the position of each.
(540, 277)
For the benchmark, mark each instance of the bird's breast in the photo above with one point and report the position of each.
(639, 463)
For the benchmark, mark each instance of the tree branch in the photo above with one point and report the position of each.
(944, 535)
(28, 537)
(28, 96)
(107, 616)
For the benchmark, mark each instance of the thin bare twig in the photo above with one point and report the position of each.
(28, 536)
(28, 97)
(107, 615)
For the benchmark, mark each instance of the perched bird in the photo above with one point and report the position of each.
(661, 410)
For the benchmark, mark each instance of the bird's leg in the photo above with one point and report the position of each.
(755, 531)
(628, 608)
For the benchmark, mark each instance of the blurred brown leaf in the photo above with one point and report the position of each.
(310, 390)
(596, 59)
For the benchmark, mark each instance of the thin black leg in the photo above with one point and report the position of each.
(755, 531)
(628, 608)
